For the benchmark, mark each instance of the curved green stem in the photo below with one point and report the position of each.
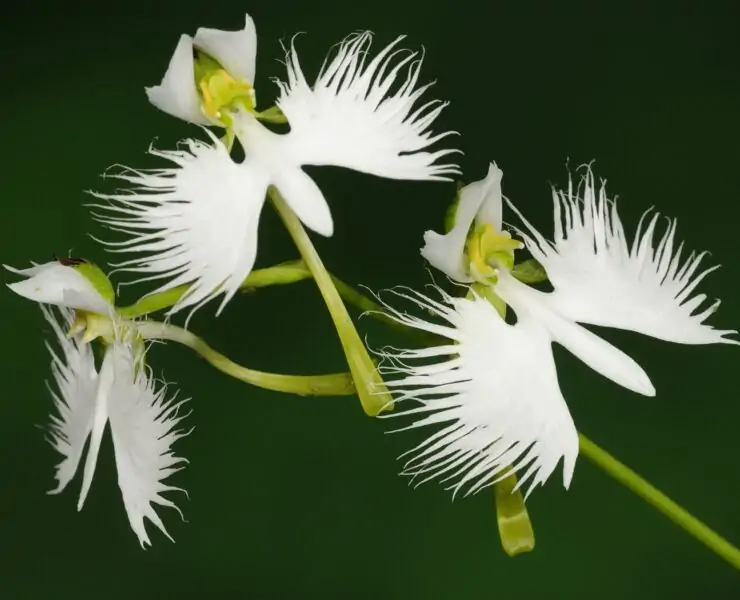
(369, 385)
(653, 496)
(282, 274)
(335, 384)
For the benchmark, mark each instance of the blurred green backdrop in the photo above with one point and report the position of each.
(299, 498)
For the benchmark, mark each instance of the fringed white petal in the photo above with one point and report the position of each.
(493, 392)
(352, 118)
(600, 278)
(177, 94)
(143, 423)
(236, 51)
(479, 201)
(76, 382)
(193, 223)
(60, 285)
(144, 426)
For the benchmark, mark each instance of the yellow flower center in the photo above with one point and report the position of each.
(490, 250)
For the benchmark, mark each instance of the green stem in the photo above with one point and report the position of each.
(285, 273)
(335, 384)
(282, 274)
(659, 500)
(370, 387)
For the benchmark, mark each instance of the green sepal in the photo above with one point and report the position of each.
(514, 526)
(272, 115)
(97, 278)
(529, 271)
(451, 212)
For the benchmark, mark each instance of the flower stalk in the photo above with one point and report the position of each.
(657, 499)
(335, 384)
(282, 274)
(370, 388)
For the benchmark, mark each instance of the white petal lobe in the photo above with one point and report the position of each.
(305, 199)
(192, 223)
(76, 383)
(144, 426)
(352, 118)
(106, 381)
(596, 352)
(177, 94)
(602, 279)
(493, 395)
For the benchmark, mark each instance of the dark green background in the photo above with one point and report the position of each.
(299, 498)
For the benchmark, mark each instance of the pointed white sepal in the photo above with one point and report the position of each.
(177, 94)
(143, 424)
(479, 202)
(59, 285)
(493, 392)
(195, 222)
(601, 279)
(236, 51)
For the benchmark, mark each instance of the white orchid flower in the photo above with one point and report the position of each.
(494, 388)
(178, 94)
(121, 393)
(195, 222)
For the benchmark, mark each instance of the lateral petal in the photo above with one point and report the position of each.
(493, 392)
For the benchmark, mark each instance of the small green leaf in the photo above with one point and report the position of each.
(529, 271)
